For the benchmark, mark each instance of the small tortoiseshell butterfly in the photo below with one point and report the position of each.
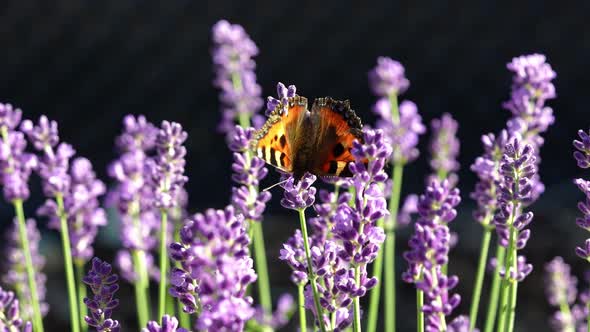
(317, 142)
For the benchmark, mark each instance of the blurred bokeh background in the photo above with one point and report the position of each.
(88, 63)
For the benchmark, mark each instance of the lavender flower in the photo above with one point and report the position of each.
(299, 195)
(133, 197)
(9, 314)
(168, 167)
(16, 274)
(293, 253)
(401, 130)
(103, 285)
(388, 78)
(169, 324)
(82, 209)
(232, 53)
(215, 270)
(15, 164)
(248, 171)
(582, 155)
(284, 94)
(531, 88)
(285, 308)
(429, 248)
(561, 285)
(444, 147)
(487, 169)
(460, 324)
(517, 169)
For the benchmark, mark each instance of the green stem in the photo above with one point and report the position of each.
(81, 294)
(510, 262)
(495, 290)
(356, 327)
(479, 277)
(419, 312)
(65, 240)
(24, 240)
(588, 317)
(163, 264)
(376, 291)
(565, 310)
(261, 267)
(512, 309)
(302, 318)
(389, 275)
(312, 277)
(141, 287)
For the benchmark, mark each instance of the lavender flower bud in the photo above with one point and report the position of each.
(444, 145)
(402, 134)
(561, 286)
(10, 319)
(388, 77)
(300, 195)
(215, 270)
(169, 324)
(582, 156)
(16, 274)
(232, 54)
(167, 170)
(103, 285)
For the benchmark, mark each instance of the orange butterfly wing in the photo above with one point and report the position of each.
(273, 143)
(338, 127)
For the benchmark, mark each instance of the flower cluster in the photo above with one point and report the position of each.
(517, 169)
(73, 182)
(429, 248)
(279, 318)
(167, 167)
(388, 78)
(444, 147)
(299, 194)
(215, 270)
(103, 285)
(16, 274)
(582, 156)
(16, 165)
(248, 171)
(487, 169)
(402, 125)
(234, 75)
(132, 196)
(10, 319)
(169, 324)
(531, 87)
(284, 93)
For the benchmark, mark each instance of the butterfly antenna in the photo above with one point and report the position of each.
(276, 184)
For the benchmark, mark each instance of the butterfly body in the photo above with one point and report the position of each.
(316, 141)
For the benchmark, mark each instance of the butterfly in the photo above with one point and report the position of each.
(317, 141)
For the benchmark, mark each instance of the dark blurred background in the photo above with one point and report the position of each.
(88, 63)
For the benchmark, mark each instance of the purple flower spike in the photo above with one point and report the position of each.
(561, 285)
(10, 319)
(429, 249)
(299, 195)
(167, 170)
(518, 169)
(15, 164)
(232, 54)
(248, 170)
(531, 87)
(215, 270)
(103, 285)
(16, 274)
(284, 94)
(388, 77)
(583, 146)
(444, 145)
(402, 133)
(169, 324)
(460, 324)
(293, 253)
(285, 308)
